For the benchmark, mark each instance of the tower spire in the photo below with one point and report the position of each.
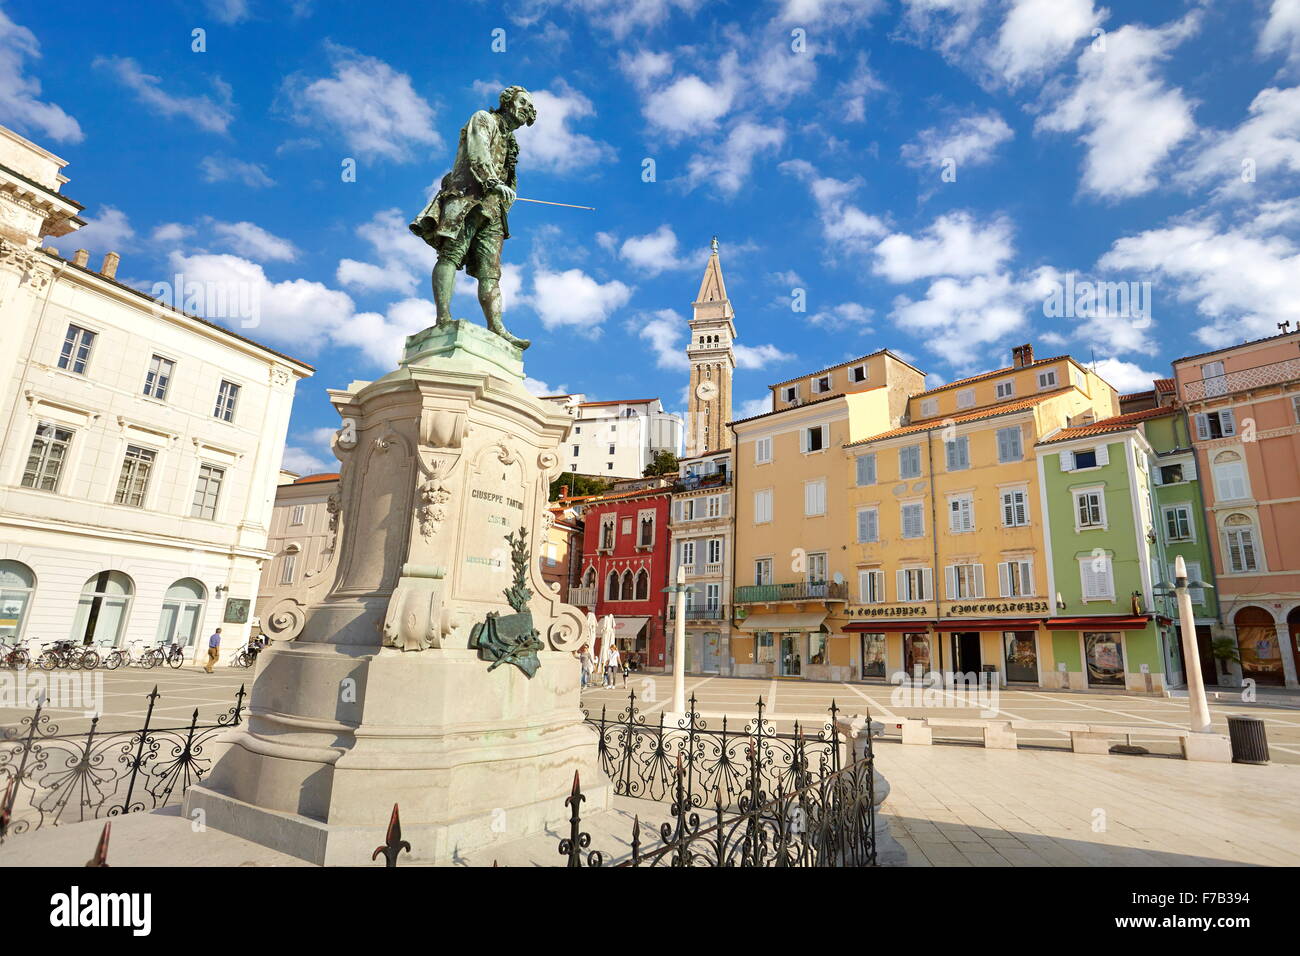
(712, 361)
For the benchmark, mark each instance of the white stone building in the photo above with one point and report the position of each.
(301, 543)
(701, 526)
(141, 445)
(616, 439)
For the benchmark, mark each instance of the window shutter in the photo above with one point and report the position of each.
(979, 581)
(1027, 577)
(1008, 508)
(1067, 461)
(927, 583)
(1103, 454)
(900, 582)
(866, 469)
(963, 451)
(1202, 426)
(803, 440)
(1004, 579)
(950, 582)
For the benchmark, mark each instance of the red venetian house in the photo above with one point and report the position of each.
(625, 557)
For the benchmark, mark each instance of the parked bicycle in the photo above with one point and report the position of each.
(165, 653)
(125, 656)
(14, 655)
(67, 654)
(247, 655)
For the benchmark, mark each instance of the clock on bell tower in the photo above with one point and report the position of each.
(712, 361)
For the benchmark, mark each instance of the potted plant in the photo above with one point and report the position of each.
(1224, 651)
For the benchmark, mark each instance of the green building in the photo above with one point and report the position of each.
(1105, 556)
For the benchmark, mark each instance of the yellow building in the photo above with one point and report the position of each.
(792, 528)
(924, 547)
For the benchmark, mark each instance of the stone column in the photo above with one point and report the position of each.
(381, 699)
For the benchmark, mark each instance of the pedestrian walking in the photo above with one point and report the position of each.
(214, 649)
(627, 667)
(584, 657)
(612, 666)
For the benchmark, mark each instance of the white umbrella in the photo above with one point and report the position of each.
(606, 639)
(590, 633)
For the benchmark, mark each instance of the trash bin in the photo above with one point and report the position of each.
(1249, 741)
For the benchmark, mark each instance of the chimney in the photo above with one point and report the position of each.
(1022, 355)
(80, 258)
(564, 492)
(109, 269)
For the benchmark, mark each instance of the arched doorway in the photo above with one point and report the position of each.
(1261, 656)
(17, 585)
(1293, 632)
(103, 609)
(182, 612)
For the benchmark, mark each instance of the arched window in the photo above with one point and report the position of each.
(627, 587)
(1230, 477)
(182, 612)
(589, 581)
(611, 586)
(103, 609)
(17, 585)
(643, 585)
(1239, 543)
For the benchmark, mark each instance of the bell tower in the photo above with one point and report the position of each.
(712, 362)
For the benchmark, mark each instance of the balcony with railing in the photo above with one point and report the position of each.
(709, 612)
(1242, 379)
(795, 591)
(583, 597)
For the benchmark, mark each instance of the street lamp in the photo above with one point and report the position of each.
(679, 639)
(1187, 626)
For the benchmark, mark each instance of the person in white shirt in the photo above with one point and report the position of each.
(611, 666)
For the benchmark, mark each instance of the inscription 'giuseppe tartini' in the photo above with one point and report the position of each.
(494, 498)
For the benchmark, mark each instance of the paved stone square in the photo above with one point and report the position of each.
(808, 701)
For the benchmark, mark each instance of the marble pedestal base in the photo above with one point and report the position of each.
(472, 757)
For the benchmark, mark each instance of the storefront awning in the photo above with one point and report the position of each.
(1003, 624)
(627, 628)
(1112, 622)
(887, 627)
(811, 621)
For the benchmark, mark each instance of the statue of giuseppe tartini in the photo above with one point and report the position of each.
(466, 222)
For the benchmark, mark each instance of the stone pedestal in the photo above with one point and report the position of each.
(379, 697)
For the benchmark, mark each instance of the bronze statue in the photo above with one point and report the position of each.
(466, 222)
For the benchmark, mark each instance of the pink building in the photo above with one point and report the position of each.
(1244, 406)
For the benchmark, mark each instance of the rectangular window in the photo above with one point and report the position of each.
(611, 450)
(687, 555)
(1193, 574)
(1230, 479)
(228, 397)
(871, 587)
(297, 514)
(713, 551)
(961, 514)
(1295, 407)
(133, 482)
(858, 373)
(957, 453)
(762, 451)
(1089, 512)
(687, 509)
(45, 460)
(287, 567)
(866, 466)
(1015, 508)
(815, 438)
(626, 526)
(1010, 447)
(575, 451)
(1220, 424)
(77, 344)
(1016, 578)
(1006, 389)
(1178, 523)
(915, 584)
(790, 393)
(158, 377)
(763, 571)
(1047, 379)
(966, 398)
(913, 520)
(965, 581)
(713, 506)
(1241, 550)
(207, 492)
(607, 533)
(1171, 474)
(909, 462)
(763, 506)
(1085, 458)
(929, 407)
(868, 525)
(1096, 581)
(821, 384)
(814, 498)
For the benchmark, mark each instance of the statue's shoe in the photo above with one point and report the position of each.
(518, 343)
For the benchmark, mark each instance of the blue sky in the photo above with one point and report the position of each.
(1140, 142)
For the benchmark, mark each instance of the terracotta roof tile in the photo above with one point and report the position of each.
(993, 374)
(310, 479)
(992, 411)
(1118, 423)
(1164, 385)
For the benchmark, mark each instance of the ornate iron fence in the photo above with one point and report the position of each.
(640, 756)
(825, 821)
(47, 778)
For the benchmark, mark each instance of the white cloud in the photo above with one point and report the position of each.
(211, 113)
(171, 232)
(20, 100)
(1269, 139)
(228, 11)
(759, 356)
(1126, 376)
(1281, 32)
(1127, 116)
(405, 261)
(535, 386)
(952, 245)
(689, 104)
(843, 316)
(1038, 34)
(969, 141)
(372, 106)
(110, 231)
(574, 298)
(948, 25)
(646, 66)
(754, 406)
(221, 169)
(663, 330)
(729, 165)
(618, 17)
(658, 251)
(380, 337)
(844, 226)
(303, 462)
(255, 242)
(828, 12)
(854, 91)
(1241, 278)
(549, 145)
